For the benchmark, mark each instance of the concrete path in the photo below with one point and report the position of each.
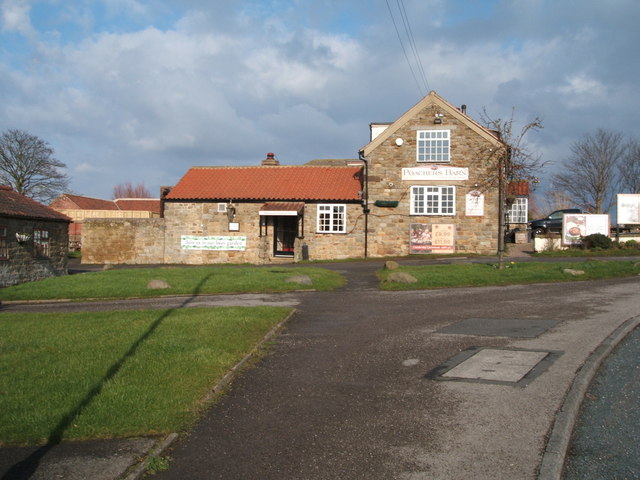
(357, 386)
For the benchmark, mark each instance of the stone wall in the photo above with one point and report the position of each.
(128, 241)
(150, 241)
(22, 263)
(389, 227)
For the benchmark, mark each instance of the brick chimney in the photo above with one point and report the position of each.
(270, 161)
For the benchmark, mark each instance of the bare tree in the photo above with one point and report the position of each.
(127, 190)
(27, 164)
(517, 161)
(629, 168)
(590, 173)
(510, 163)
(555, 200)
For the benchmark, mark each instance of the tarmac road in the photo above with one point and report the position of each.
(606, 440)
(345, 392)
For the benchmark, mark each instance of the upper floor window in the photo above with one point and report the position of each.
(41, 242)
(517, 212)
(4, 248)
(433, 146)
(433, 200)
(332, 218)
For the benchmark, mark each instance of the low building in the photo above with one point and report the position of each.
(262, 214)
(79, 208)
(33, 239)
(425, 183)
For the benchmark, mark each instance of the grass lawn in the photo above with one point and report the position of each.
(113, 374)
(128, 283)
(462, 275)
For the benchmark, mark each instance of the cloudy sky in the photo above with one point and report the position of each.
(140, 90)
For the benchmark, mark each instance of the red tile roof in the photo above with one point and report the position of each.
(12, 204)
(518, 187)
(68, 201)
(138, 204)
(270, 183)
(71, 202)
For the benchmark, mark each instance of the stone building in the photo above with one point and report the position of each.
(424, 184)
(79, 208)
(262, 214)
(431, 182)
(33, 239)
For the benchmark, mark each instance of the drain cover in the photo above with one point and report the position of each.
(495, 365)
(501, 327)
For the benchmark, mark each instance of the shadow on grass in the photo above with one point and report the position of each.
(26, 468)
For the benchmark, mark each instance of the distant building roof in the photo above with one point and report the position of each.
(138, 204)
(13, 204)
(68, 201)
(335, 162)
(270, 183)
(518, 187)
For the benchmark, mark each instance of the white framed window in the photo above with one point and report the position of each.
(517, 212)
(4, 248)
(41, 242)
(222, 208)
(433, 146)
(332, 218)
(433, 200)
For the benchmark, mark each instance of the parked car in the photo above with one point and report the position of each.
(552, 222)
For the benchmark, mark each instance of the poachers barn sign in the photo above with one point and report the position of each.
(435, 172)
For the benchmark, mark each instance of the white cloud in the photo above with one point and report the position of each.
(224, 83)
(89, 168)
(15, 17)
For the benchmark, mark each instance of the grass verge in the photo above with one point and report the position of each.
(129, 283)
(462, 275)
(117, 374)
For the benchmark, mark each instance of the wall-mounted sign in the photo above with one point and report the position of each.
(576, 226)
(628, 209)
(194, 242)
(474, 204)
(432, 238)
(435, 172)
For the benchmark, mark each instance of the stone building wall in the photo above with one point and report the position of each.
(389, 227)
(126, 241)
(151, 241)
(22, 263)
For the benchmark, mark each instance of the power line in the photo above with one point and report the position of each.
(414, 48)
(412, 43)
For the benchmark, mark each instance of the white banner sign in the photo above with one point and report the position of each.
(193, 242)
(474, 204)
(577, 225)
(435, 172)
(628, 208)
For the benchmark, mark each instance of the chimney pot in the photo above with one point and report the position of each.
(270, 160)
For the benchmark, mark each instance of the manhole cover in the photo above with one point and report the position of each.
(501, 327)
(495, 365)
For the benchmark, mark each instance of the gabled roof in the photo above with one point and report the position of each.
(270, 183)
(69, 201)
(138, 204)
(518, 188)
(431, 98)
(13, 204)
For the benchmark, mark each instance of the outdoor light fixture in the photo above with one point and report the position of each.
(231, 212)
